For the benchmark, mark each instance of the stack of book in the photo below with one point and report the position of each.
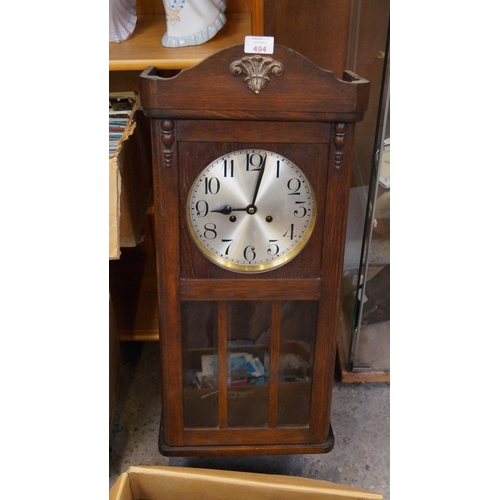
(120, 109)
(243, 369)
(293, 368)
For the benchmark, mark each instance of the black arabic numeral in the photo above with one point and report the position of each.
(289, 233)
(227, 249)
(273, 248)
(254, 162)
(249, 251)
(294, 185)
(212, 185)
(229, 168)
(201, 208)
(303, 210)
(210, 231)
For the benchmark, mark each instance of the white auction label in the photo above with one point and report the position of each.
(259, 44)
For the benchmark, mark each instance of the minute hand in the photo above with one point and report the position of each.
(259, 180)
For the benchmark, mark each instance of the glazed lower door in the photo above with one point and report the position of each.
(247, 371)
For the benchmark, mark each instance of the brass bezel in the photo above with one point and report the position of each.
(251, 268)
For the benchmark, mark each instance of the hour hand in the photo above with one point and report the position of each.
(224, 210)
(227, 210)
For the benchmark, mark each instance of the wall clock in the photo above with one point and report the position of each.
(252, 165)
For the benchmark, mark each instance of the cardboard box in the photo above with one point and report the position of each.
(180, 483)
(130, 184)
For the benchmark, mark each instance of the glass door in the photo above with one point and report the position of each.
(248, 365)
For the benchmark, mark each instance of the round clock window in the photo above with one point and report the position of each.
(251, 211)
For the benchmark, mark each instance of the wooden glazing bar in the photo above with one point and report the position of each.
(274, 363)
(221, 362)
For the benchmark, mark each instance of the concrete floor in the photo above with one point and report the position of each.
(360, 422)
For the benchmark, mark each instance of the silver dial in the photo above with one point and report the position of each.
(251, 211)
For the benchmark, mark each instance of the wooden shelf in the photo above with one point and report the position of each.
(144, 47)
(133, 287)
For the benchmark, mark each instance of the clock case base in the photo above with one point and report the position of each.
(258, 449)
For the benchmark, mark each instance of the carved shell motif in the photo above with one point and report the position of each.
(257, 69)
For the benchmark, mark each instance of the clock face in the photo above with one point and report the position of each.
(251, 211)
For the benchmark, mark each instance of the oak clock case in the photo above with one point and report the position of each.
(251, 178)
